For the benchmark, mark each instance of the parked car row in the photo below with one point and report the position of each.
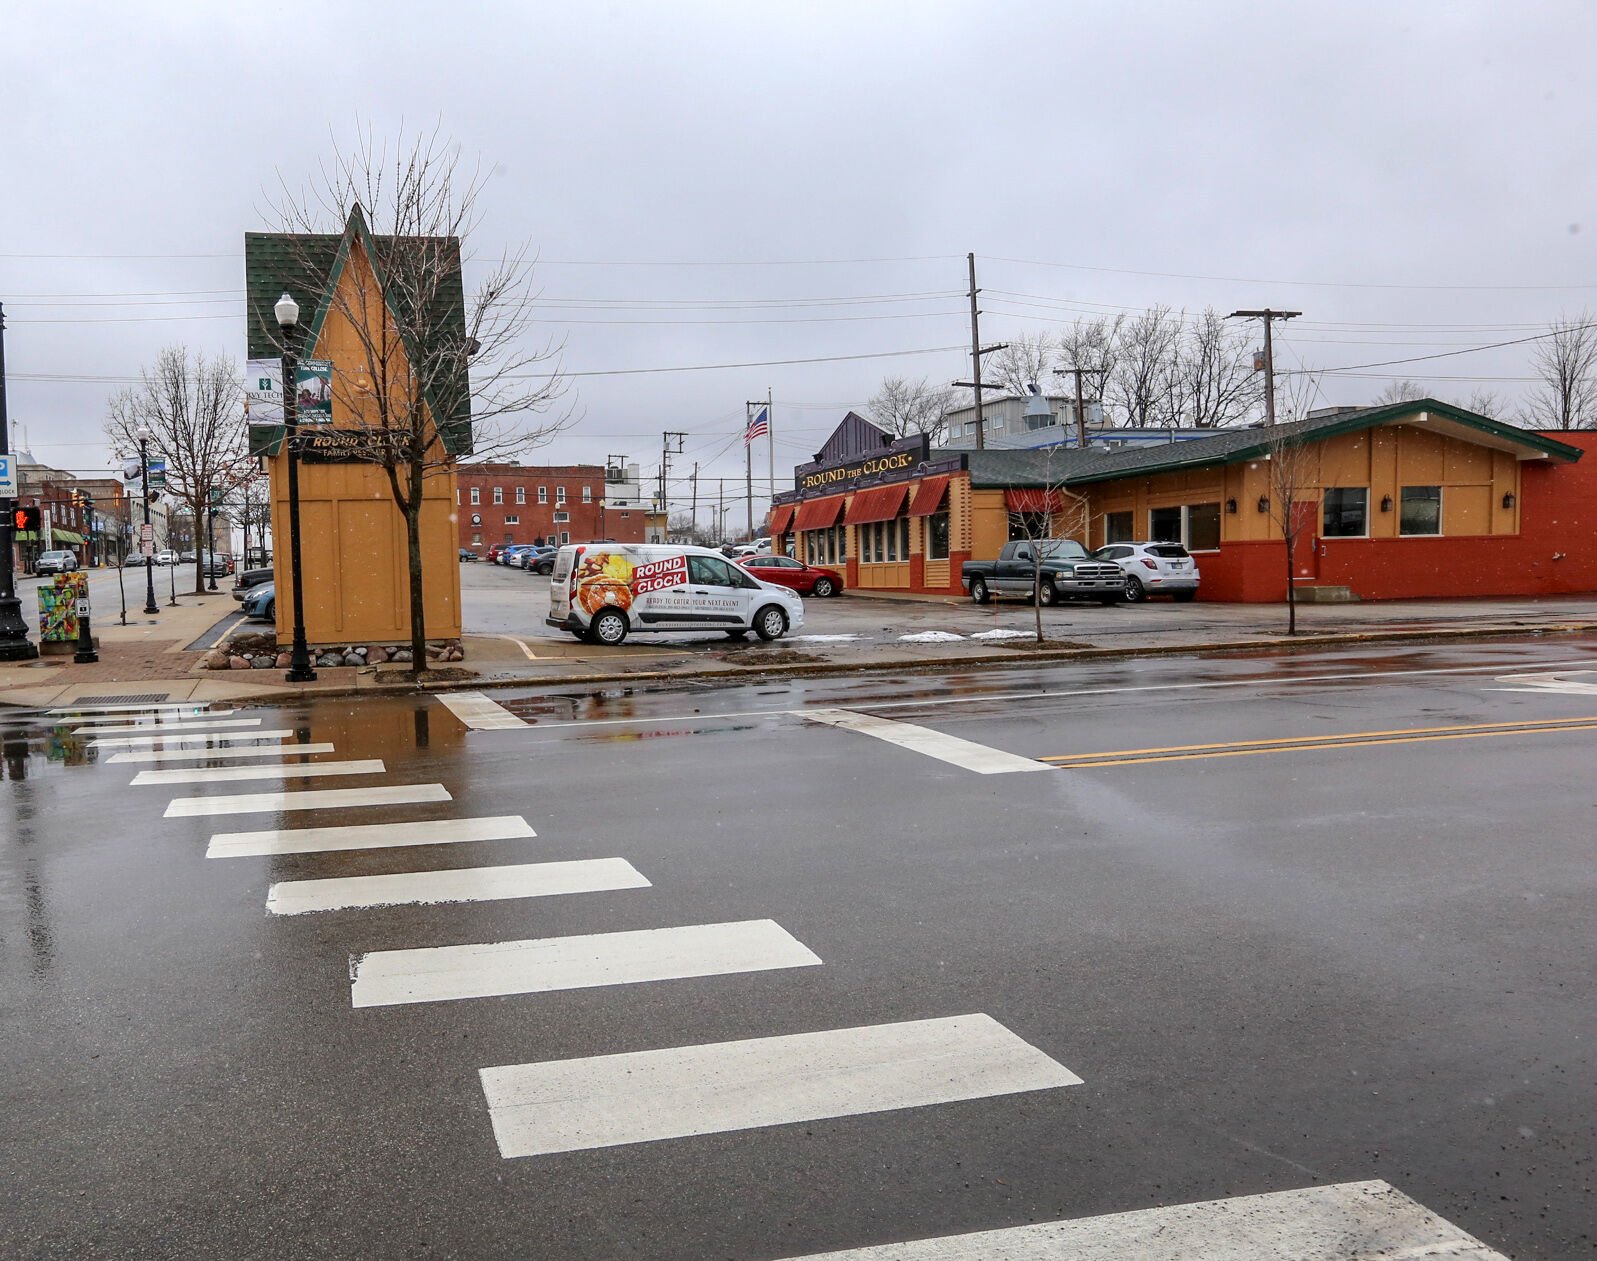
(1051, 570)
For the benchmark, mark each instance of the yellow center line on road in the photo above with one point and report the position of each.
(1289, 744)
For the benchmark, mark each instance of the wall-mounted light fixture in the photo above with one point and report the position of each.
(1264, 503)
(1508, 500)
(1386, 503)
(1231, 506)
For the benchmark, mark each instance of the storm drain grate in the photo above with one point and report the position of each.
(132, 698)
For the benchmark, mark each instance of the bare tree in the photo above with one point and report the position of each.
(903, 407)
(1059, 514)
(193, 408)
(1484, 402)
(1215, 380)
(1292, 467)
(1026, 360)
(1565, 363)
(1400, 392)
(430, 360)
(1143, 382)
(249, 502)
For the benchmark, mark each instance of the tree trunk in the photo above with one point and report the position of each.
(1036, 587)
(418, 611)
(1291, 592)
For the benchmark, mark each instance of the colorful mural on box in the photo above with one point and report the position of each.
(58, 606)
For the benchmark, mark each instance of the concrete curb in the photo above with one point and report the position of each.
(924, 664)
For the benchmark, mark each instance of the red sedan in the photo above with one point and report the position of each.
(785, 572)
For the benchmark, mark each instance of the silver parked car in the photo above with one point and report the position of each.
(54, 563)
(1155, 568)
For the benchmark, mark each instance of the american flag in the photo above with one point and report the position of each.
(758, 427)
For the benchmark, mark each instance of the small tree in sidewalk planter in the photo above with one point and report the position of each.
(1054, 513)
(1291, 468)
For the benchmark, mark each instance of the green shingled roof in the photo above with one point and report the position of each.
(1068, 466)
(307, 265)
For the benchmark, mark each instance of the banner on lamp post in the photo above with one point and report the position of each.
(263, 392)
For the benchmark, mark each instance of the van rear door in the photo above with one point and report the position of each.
(560, 583)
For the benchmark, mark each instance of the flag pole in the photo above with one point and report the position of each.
(770, 438)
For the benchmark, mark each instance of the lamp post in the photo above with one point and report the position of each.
(14, 642)
(151, 608)
(287, 312)
(210, 541)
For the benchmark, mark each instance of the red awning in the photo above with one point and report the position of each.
(880, 503)
(928, 497)
(1033, 501)
(817, 514)
(780, 516)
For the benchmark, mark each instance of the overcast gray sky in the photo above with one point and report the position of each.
(1414, 177)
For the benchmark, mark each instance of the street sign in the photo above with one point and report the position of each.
(8, 477)
(83, 607)
(147, 532)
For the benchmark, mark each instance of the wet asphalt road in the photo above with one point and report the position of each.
(1281, 966)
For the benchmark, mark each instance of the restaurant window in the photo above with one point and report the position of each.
(903, 538)
(521, 494)
(1164, 525)
(889, 531)
(499, 494)
(937, 536)
(476, 495)
(1203, 527)
(1029, 525)
(1346, 512)
(1119, 527)
(1421, 510)
(543, 494)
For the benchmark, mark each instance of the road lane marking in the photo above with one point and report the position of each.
(459, 884)
(306, 799)
(1550, 681)
(201, 714)
(178, 738)
(443, 973)
(525, 650)
(1136, 757)
(645, 1096)
(479, 713)
(1049, 694)
(1349, 1221)
(283, 770)
(945, 748)
(166, 730)
(195, 755)
(325, 840)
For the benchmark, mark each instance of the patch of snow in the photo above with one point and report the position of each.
(826, 639)
(930, 637)
(1003, 634)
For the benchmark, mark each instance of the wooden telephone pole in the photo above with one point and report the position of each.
(1269, 317)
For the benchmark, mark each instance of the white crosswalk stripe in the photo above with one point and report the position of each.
(154, 709)
(306, 799)
(1350, 1221)
(504, 827)
(282, 770)
(480, 713)
(966, 754)
(644, 1096)
(442, 973)
(175, 719)
(177, 739)
(232, 751)
(166, 730)
(455, 884)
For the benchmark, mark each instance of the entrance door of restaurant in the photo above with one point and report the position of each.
(1305, 539)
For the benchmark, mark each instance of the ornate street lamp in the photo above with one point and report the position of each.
(151, 608)
(287, 312)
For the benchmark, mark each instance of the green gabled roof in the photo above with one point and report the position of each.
(308, 265)
(1070, 466)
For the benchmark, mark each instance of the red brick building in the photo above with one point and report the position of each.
(520, 503)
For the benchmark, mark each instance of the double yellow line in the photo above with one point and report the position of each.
(1297, 744)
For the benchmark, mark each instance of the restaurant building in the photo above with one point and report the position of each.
(1419, 498)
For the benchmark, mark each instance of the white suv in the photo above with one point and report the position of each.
(1154, 569)
(55, 563)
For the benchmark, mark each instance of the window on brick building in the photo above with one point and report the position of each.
(499, 494)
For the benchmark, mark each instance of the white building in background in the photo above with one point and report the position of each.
(1016, 423)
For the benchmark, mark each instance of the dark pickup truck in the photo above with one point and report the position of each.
(1068, 573)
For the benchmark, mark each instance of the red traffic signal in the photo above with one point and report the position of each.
(24, 518)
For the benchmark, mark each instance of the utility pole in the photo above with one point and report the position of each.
(693, 512)
(1269, 317)
(1081, 414)
(976, 352)
(665, 470)
(14, 642)
(720, 511)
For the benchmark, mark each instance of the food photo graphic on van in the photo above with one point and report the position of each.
(603, 593)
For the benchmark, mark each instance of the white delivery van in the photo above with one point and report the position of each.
(601, 592)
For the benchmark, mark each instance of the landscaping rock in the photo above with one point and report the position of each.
(354, 659)
(330, 659)
(262, 662)
(284, 659)
(377, 655)
(237, 663)
(216, 659)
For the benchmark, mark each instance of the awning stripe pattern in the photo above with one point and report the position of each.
(928, 497)
(880, 503)
(780, 516)
(1033, 500)
(817, 514)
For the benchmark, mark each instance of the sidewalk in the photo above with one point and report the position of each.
(156, 658)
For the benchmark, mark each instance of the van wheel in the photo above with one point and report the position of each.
(770, 623)
(608, 627)
(978, 590)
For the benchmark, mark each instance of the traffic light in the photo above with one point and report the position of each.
(25, 518)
